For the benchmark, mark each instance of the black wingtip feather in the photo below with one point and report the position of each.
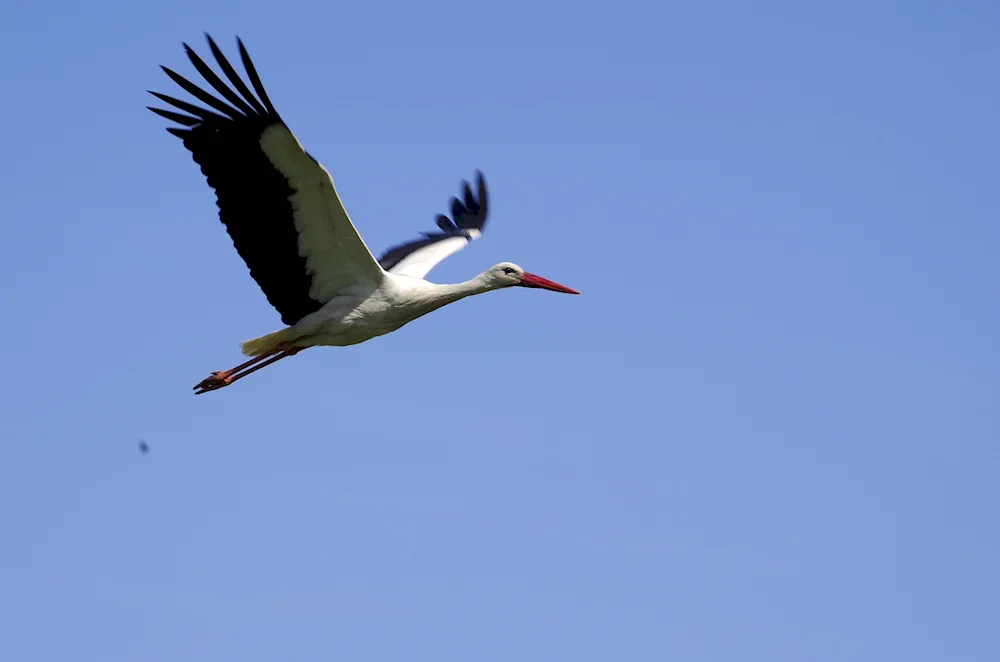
(483, 196)
(472, 212)
(201, 94)
(234, 77)
(470, 201)
(205, 115)
(245, 105)
(445, 224)
(216, 82)
(184, 120)
(457, 210)
(254, 78)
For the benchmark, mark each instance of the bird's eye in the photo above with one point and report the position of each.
(508, 270)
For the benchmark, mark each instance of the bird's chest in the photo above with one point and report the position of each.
(348, 321)
(348, 325)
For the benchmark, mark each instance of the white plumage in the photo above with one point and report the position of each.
(336, 256)
(287, 222)
(421, 261)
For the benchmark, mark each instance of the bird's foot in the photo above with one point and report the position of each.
(218, 380)
(214, 382)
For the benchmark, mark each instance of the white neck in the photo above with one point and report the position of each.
(431, 296)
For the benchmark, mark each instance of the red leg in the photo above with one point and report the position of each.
(218, 380)
(221, 375)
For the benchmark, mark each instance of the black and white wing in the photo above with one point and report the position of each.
(277, 202)
(416, 258)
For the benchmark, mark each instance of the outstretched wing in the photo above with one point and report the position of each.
(416, 258)
(277, 202)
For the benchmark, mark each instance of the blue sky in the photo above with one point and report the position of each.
(767, 430)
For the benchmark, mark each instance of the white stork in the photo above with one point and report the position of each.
(286, 221)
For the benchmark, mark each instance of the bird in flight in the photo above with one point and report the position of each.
(143, 447)
(286, 221)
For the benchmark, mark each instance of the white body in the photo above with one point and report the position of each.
(359, 314)
(363, 300)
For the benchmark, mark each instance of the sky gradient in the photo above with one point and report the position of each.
(767, 430)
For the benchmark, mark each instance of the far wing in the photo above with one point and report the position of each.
(416, 258)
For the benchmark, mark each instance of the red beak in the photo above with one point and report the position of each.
(531, 280)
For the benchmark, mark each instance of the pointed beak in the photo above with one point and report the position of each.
(531, 280)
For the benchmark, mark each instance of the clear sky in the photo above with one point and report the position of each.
(768, 429)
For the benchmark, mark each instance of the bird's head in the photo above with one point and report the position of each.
(508, 274)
